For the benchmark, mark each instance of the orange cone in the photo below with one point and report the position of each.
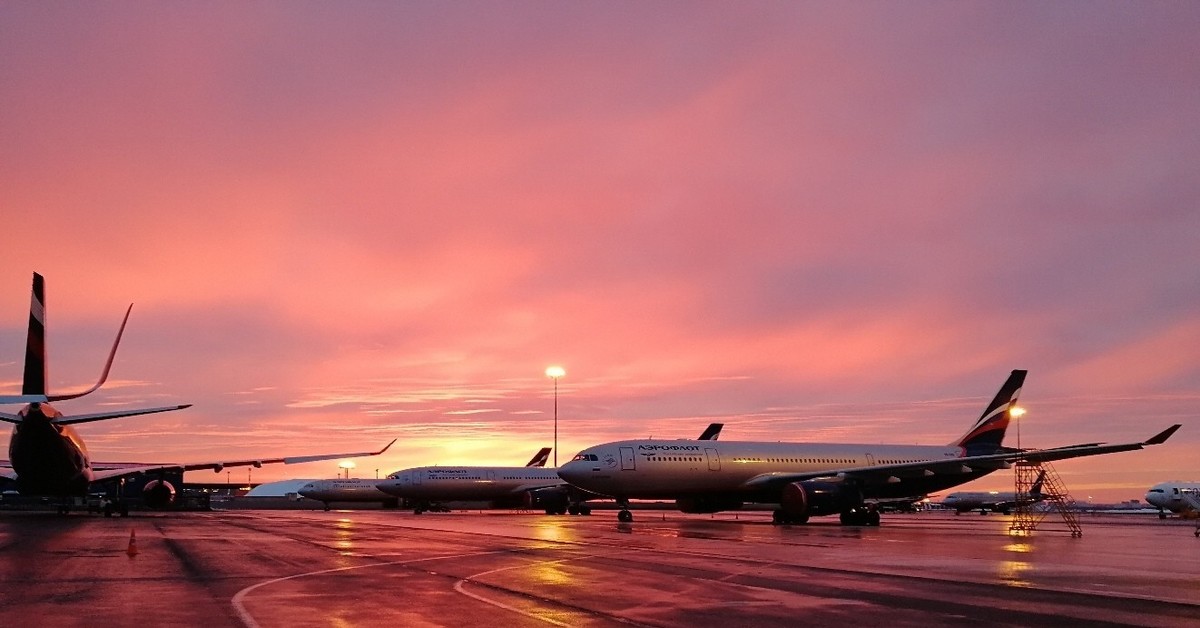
(132, 550)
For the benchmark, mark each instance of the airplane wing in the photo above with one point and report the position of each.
(112, 471)
(533, 486)
(888, 473)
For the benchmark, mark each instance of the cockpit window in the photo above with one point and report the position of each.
(587, 457)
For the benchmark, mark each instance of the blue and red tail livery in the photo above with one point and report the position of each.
(986, 435)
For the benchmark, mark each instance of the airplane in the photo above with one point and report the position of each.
(1178, 497)
(1002, 502)
(48, 458)
(504, 487)
(811, 479)
(364, 490)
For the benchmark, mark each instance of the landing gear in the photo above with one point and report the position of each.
(624, 516)
(579, 509)
(861, 516)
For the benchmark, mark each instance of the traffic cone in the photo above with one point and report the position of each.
(132, 550)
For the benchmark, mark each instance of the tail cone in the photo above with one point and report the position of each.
(132, 550)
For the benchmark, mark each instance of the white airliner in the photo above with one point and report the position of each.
(1002, 502)
(49, 459)
(504, 487)
(1177, 497)
(810, 479)
(367, 491)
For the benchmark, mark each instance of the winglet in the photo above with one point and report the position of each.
(1162, 436)
(107, 365)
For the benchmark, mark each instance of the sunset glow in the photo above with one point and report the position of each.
(344, 224)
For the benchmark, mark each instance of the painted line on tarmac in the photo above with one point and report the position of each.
(458, 586)
(248, 619)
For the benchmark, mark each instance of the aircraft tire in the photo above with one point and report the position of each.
(625, 516)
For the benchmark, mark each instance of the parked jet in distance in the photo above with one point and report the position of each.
(1002, 502)
(504, 487)
(367, 491)
(49, 459)
(811, 479)
(1178, 497)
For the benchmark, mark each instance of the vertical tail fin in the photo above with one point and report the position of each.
(1036, 491)
(35, 344)
(712, 432)
(987, 433)
(539, 459)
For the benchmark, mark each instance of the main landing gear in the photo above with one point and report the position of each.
(860, 517)
(624, 516)
(579, 509)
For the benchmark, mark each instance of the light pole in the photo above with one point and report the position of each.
(555, 372)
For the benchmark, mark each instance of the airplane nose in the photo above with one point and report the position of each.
(570, 471)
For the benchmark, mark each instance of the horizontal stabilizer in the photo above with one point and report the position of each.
(23, 399)
(104, 416)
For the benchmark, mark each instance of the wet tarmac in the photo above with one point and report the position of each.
(389, 568)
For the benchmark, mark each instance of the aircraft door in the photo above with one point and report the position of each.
(416, 477)
(714, 459)
(491, 476)
(627, 462)
(870, 460)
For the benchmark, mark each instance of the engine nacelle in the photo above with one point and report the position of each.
(707, 505)
(550, 499)
(158, 494)
(811, 498)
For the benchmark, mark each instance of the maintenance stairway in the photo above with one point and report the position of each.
(1040, 491)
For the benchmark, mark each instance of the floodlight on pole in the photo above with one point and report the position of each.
(555, 372)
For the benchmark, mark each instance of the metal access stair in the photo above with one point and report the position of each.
(1034, 504)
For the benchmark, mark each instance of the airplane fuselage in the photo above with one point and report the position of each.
(650, 469)
(48, 458)
(976, 500)
(1175, 496)
(467, 483)
(347, 490)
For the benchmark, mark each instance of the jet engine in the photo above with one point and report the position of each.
(553, 500)
(811, 498)
(707, 505)
(158, 494)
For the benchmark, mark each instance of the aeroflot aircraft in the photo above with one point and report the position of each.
(996, 501)
(49, 459)
(810, 479)
(1177, 497)
(363, 490)
(505, 487)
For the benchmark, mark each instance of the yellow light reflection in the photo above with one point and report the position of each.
(552, 573)
(555, 372)
(1016, 412)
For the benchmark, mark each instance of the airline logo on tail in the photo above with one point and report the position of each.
(539, 459)
(988, 432)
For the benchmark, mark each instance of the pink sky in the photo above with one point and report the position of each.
(342, 224)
